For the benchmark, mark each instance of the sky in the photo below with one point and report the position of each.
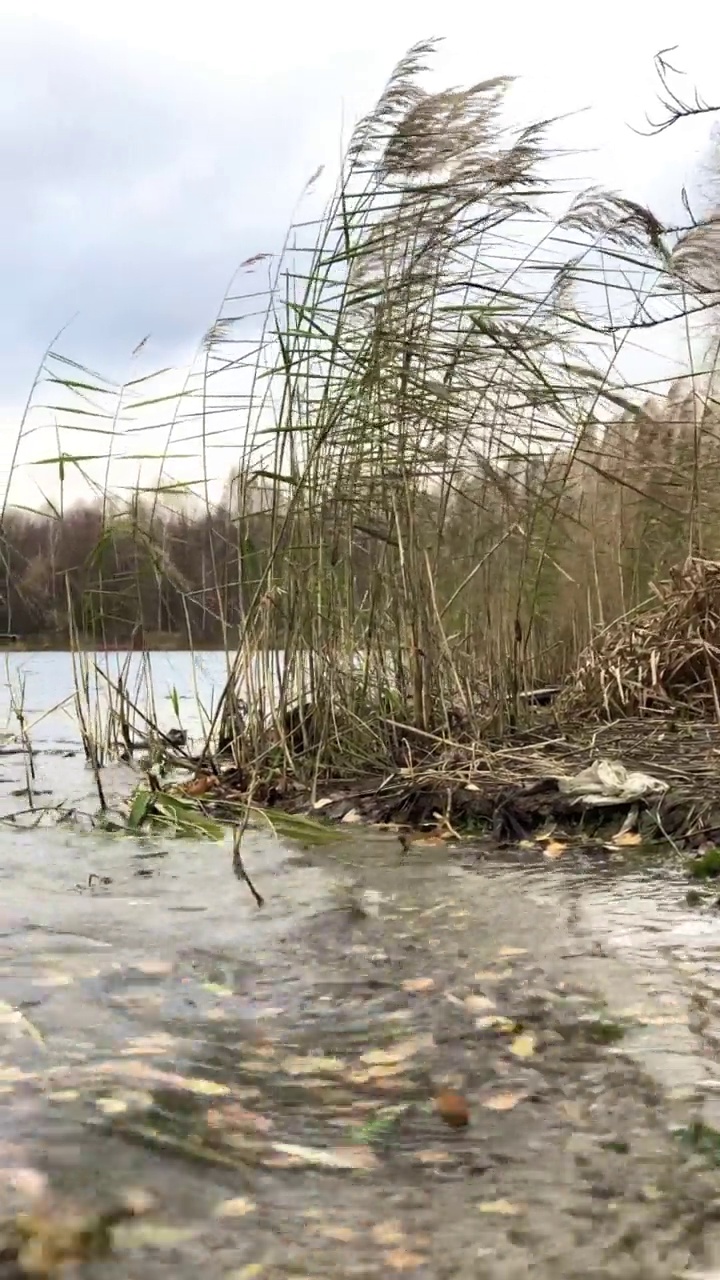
(146, 148)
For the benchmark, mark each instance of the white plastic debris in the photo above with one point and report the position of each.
(609, 782)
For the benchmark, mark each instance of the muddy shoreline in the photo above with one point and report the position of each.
(510, 790)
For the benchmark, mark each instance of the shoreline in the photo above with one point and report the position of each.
(627, 779)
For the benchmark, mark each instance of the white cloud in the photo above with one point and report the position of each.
(147, 148)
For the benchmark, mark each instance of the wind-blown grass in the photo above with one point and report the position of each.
(445, 482)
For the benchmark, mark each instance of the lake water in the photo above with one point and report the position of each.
(130, 967)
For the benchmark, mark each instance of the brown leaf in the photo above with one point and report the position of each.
(512, 951)
(418, 984)
(505, 1208)
(403, 1260)
(388, 1233)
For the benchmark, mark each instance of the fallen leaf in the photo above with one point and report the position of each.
(312, 1065)
(523, 1046)
(239, 1207)
(506, 952)
(403, 1260)
(388, 1233)
(322, 803)
(336, 1231)
(478, 1004)
(418, 984)
(380, 1072)
(453, 1108)
(554, 849)
(249, 1272)
(233, 1116)
(495, 1022)
(352, 816)
(627, 838)
(470, 786)
(399, 1052)
(360, 1158)
(111, 1106)
(432, 1156)
(157, 1235)
(504, 1207)
(503, 1101)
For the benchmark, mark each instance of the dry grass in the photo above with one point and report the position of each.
(445, 485)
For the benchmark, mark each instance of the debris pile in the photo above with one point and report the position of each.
(662, 662)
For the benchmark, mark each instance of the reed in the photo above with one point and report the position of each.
(446, 481)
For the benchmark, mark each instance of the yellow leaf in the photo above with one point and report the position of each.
(478, 1004)
(554, 849)
(311, 1066)
(523, 1046)
(433, 1156)
(503, 1101)
(403, 1260)
(157, 1235)
(239, 1207)
(627, 838)
(388, 1233)
(504, 1207)
(512, 951)
(495, 1022)
(361, 1158)
(111, 1106)
(399, 1052)
(418, 984)
(336, 1231)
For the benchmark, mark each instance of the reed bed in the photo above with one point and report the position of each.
(447, 494)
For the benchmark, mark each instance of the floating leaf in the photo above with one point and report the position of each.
(496, 1022)
(238, 1207)
(312, 1066)
(388, 1233)
(336, 1231)
(111, 1106)
(478, 1004)
(504, 1207)
(554, 849)
(503, 1101)
(403, 1260)
(357, 1158)
(399, 1052)
(432, 1156)
(157, 1235)
(140, 808)
(523, 1046)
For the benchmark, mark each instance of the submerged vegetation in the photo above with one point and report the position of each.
(447, 484)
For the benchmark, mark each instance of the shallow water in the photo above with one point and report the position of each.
(128, 967)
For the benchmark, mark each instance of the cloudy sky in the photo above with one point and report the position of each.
(147, 148)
